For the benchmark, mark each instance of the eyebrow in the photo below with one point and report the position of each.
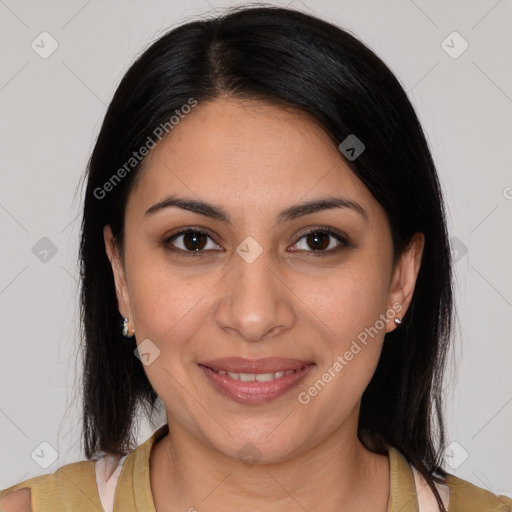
(291, 213)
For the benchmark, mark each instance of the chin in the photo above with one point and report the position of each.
(259, 449)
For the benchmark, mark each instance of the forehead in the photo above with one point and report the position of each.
(249, 153)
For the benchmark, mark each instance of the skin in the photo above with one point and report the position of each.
(253, 160)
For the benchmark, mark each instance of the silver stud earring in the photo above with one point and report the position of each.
(126, 332)
(398, 321)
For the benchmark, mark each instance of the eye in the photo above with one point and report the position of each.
(192, 241)
(322, 241)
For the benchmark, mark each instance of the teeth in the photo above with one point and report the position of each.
(260, 377)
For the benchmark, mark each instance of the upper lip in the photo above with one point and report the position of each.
(264, 365)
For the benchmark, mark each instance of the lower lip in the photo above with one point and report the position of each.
(254, 392)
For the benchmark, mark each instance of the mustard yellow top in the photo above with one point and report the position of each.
(73, 487)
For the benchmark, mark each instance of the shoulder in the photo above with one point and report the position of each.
(467, 497)
(16, 501)
(458, 495)
(18, 497)
(44, 492)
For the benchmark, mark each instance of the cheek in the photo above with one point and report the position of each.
(167, 303)
(350, 313)
(168, 311)
(351, 298)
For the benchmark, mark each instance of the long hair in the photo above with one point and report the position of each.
(289, 59)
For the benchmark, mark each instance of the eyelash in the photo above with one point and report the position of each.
(340, 238)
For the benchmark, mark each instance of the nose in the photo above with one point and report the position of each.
(255, 300)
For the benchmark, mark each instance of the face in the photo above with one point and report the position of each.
(262, 278)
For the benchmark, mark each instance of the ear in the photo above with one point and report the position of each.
(404, 278)
(123, 297)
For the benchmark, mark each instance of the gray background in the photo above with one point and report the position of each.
(51, 111)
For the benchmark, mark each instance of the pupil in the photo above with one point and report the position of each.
(194, 238)
(317, 238)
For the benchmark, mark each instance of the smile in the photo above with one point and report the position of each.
(255, 388)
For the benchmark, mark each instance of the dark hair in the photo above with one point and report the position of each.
(293, 60)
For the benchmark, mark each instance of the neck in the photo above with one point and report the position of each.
(339, 474)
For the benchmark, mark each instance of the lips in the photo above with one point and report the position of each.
(264, 365)
(256, 388)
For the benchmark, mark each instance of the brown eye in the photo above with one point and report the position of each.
(318, 240)
(322, 241)
(192, 241)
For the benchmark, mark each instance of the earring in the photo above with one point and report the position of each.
(398, 321)
(126, 332)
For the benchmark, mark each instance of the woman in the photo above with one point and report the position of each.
(264, 251)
